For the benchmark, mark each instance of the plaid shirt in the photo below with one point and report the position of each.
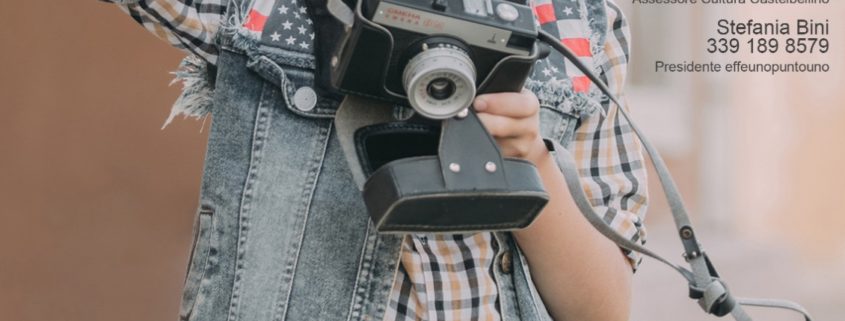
(450, 277)
(190, 25)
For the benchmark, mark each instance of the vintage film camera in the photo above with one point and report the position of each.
(436, 54)
(439, 171)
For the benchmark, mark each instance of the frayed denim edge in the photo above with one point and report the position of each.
(196, 97)
(195, 101)
(559, 96)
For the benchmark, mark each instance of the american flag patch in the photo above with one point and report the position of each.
(564, 19)
(282, 24)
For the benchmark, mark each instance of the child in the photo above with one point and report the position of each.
(282, 232)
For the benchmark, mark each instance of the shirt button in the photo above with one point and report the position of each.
(305, 98)
(635, 220)
(507, 262)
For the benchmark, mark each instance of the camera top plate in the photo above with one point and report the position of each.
(474, 21)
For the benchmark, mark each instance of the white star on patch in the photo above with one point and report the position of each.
(567, 11)
(275, 36)
(302, 10)
(283, 9)
(547, 72)
(302, 30)
(290, 40)
(304, 45)
(287, 24)
(312, 36)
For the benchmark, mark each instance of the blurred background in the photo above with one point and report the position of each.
(96, 202)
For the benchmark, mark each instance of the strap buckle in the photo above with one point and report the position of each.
(715, 298)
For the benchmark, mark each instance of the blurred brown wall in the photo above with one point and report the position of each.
(96, 201)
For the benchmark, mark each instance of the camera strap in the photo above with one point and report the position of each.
(705, 285)
(342, 12)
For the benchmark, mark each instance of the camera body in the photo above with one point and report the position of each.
(435, 54)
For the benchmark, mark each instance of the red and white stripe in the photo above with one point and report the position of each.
(574, 36)
(258, 14)
(545, 11)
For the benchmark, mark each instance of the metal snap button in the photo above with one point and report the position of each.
(305, 98)
(506, 262)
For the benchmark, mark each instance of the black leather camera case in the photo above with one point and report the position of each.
(421, 190)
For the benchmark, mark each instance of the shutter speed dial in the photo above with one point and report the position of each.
(507, 12)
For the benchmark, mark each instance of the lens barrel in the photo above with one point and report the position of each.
(440, 81)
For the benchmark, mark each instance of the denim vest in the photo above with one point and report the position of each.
(282, 232)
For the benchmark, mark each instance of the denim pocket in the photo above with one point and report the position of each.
(296, 82)
(536, 308)
(199, 257)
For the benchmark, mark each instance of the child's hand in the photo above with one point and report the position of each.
(513, 120)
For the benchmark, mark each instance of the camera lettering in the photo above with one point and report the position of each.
(434, 24)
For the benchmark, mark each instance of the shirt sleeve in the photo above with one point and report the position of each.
(190, 25)
(608, 153)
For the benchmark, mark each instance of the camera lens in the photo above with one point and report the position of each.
(441, 88)
(440, 81)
